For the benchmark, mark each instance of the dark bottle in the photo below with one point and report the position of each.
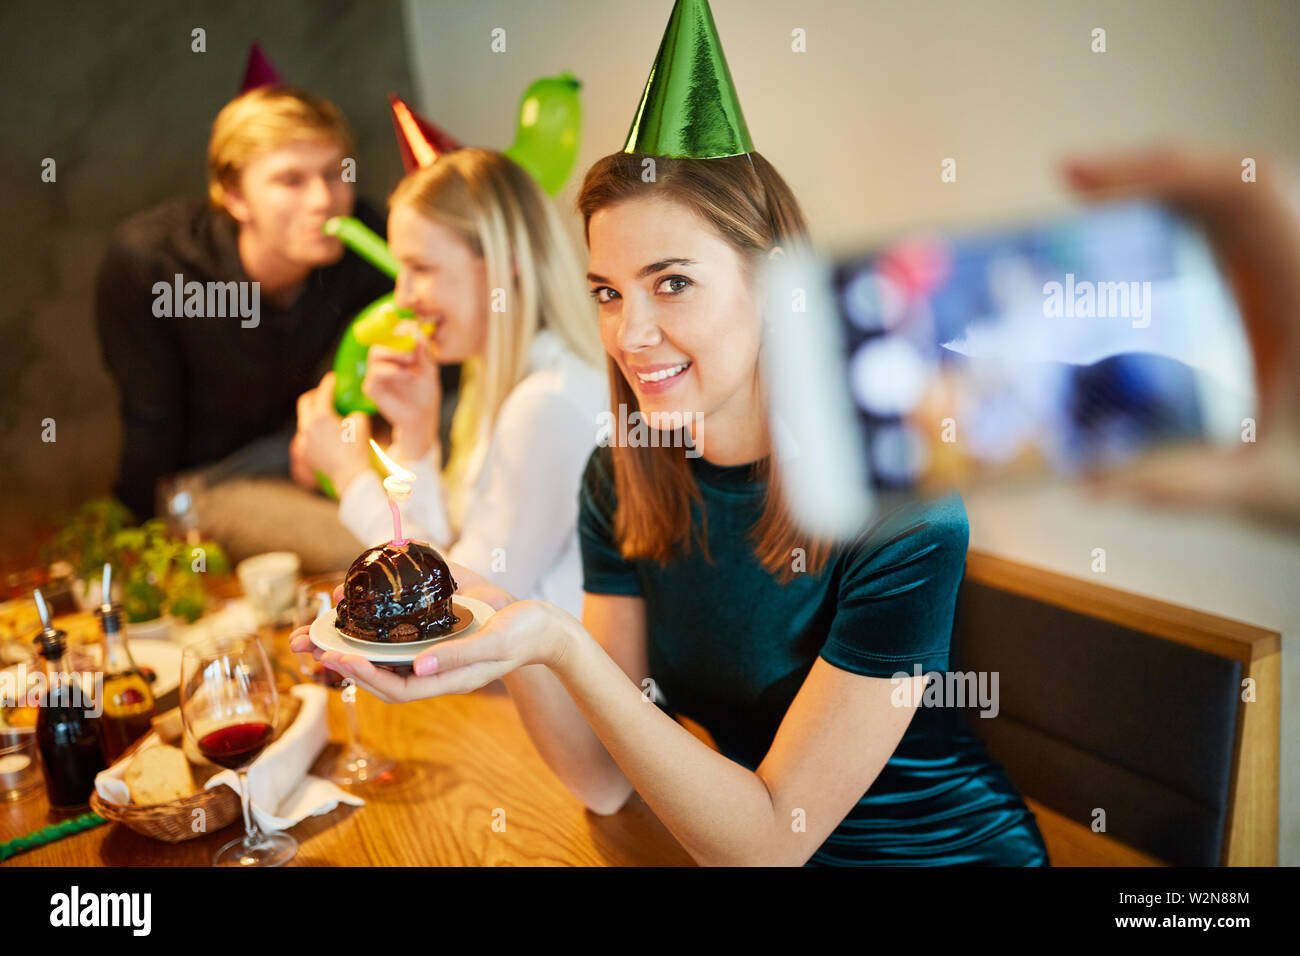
(128, 700)
(67, 733)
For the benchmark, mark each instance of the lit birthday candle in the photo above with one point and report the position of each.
(398, 487)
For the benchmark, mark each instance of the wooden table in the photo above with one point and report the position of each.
(461, 758)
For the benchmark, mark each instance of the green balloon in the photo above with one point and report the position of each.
(546, 139)
(350, 363)
(326, 485)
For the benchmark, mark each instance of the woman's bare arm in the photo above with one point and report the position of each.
(835, 738)
(557, 727)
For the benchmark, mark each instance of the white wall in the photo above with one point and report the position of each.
(859, 124)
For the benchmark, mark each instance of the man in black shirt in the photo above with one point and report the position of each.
(223, 385)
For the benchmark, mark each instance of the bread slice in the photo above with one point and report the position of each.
(159, 774)
(169, 726)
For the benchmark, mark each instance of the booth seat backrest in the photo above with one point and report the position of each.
(1103, 722)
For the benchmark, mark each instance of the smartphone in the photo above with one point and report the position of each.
(940, 360)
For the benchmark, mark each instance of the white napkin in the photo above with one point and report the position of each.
(283, 793)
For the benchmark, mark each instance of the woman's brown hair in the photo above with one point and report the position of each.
(750, 206)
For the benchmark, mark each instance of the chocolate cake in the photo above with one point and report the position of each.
(396, 594)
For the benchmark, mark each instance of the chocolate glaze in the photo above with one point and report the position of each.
(397, 594)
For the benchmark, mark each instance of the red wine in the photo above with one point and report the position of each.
(236, 746)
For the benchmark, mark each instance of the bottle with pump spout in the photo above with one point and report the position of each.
(67, 733)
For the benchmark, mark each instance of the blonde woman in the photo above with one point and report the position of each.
(485, 261)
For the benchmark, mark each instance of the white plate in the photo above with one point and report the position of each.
(329, 638)
(164, 657)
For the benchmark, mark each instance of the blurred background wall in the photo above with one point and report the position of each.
(886, 89)
(113, 93)
(858, 124)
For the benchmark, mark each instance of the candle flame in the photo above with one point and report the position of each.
(398, 487)
(394, 469)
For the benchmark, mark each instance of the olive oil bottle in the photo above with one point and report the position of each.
(128, 699)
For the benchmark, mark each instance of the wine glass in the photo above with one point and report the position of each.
(269, 581)
(229, 705)
(356, 763)
(177, 499)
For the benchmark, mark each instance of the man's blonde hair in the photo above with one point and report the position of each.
(263, 120)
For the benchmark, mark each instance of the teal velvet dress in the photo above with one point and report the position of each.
(729, 648)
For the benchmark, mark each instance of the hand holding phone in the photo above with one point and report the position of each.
(945, 359)
(1252, 220)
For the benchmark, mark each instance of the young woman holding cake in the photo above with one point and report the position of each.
(696, 599)
(484, 260)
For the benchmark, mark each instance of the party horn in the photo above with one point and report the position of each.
(350, 359)
(380, 328)
(358, 237)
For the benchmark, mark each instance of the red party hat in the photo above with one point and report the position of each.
(420, 141)
(259, 71)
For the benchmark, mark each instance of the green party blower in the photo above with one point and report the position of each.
(374, 325)
(358, 237)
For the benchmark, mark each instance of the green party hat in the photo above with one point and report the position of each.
(689, 107)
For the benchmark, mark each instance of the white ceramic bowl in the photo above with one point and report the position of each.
(270, 582)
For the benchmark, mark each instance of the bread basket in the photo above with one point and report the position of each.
(177, 820)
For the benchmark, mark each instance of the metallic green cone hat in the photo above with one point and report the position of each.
(689, 107)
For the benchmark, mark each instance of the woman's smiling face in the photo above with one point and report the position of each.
(677, 313)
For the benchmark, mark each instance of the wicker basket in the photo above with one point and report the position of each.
(174, 821)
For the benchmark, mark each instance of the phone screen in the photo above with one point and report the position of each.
(1051, 346)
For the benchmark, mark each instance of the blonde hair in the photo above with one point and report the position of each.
(501, 213)
(746, 202)
(262, 120)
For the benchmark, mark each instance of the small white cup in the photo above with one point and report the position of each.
(270, 582)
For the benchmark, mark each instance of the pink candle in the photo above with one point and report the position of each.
(398, 487)
(397, 519)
